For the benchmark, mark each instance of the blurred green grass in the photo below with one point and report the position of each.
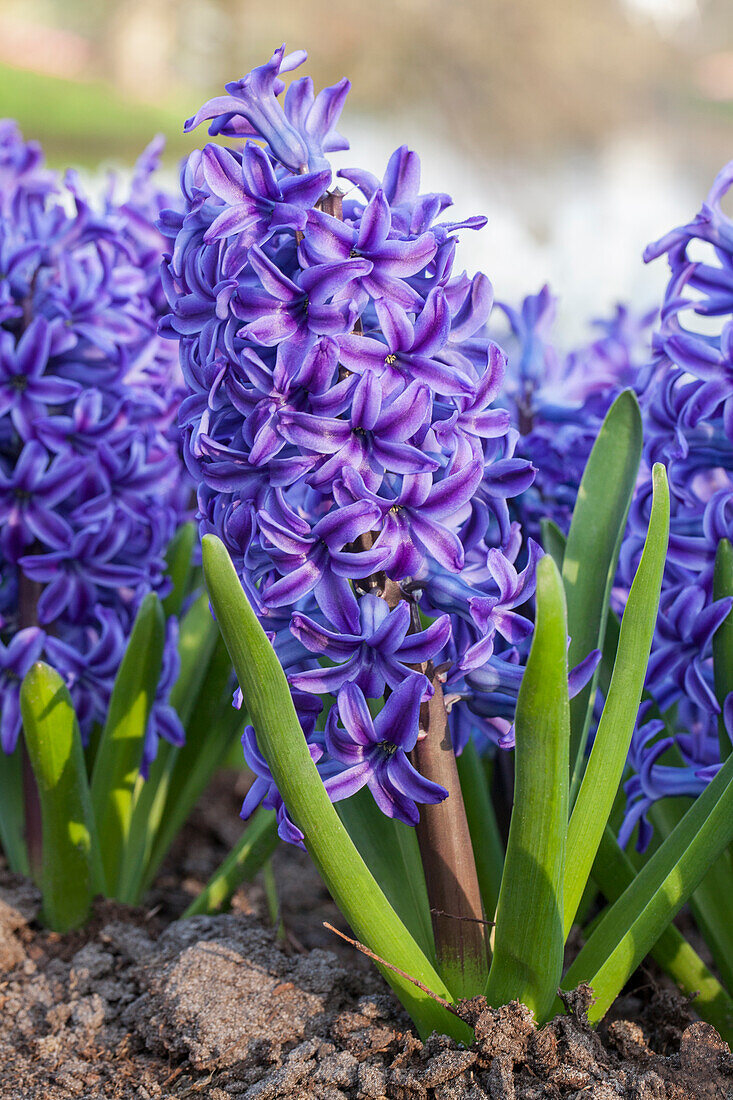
(85, 123)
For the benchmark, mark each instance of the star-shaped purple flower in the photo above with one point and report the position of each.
(375, 750)
(375, 657)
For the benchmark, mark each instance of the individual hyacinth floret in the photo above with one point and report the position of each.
(341, 426)
(92, 487)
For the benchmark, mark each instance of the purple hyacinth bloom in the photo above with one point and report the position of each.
(559, 400)
(684, 636)
(298, 312)
(315, 559)
(686, 397)
(375, 750)
(92, 482)
(409, 349)
(29, 497)
(25, 390)
(411, 522)
(372, 440)
(297, 135)
(328, 240)
(257, 203)
(264, 790)
(497, 612)
(23, 650)
(375, 657)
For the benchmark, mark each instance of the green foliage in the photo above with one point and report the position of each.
(634, 923)
(528, 953)
(592, 549)
(120, 751)
(70, 844)
(613, 736)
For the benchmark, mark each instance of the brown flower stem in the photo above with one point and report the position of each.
(459, 926)
(28, 594)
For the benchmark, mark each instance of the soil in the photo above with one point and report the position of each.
(143, 1004)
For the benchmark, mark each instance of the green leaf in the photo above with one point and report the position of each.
(283, 745)
(178, 567)
(614, 872)
(117, 765)
(635, 922)
(528, 949)
(391, 852)
(197, 639)
(553, 541)
(592, 549)
(255, 846)
(611, 745)
(723, 640)
(71, 868)
(12, 840)
(487, 843)
(711, 900)
(213, 728)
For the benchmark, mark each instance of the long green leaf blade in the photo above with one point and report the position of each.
(197, 638)
(528, 949)
(71, 869)
(179, 567)
(12, 840)
(723, 640)
(281, 741)
(255, 846)
(212, 728)
(488, 847)
(117, 765)
(391, 852)
(592, 549)
(635, 922)
(553, 541)
(712, 899)
(614, 872)
(611, 745)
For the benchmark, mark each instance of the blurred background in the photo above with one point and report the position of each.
(582, 128)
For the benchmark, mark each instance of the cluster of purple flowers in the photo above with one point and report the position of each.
(688, 417)
(558, 400)
(92, 486)
(342, 428)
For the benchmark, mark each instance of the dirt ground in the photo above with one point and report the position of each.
(142, 1004)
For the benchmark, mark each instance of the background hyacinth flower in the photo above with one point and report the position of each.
(92, 488)
(558, 399)
(686, 404)
(95, 547)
